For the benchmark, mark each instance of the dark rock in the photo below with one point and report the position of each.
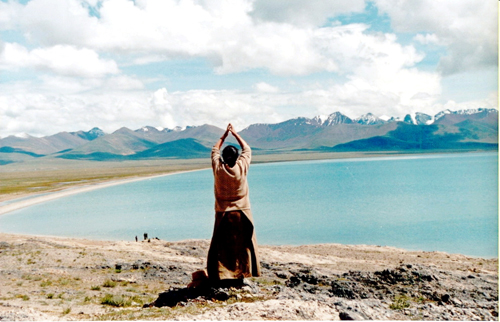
(293, 281)
(445, 298)
(123, 266)
(265, 265)
(311, 289)
(220, 295)
(250, 286)
(343, 289)
(283, 274)
(350, 316)
(174, 296)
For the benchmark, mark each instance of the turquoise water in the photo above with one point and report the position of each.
(445, 202)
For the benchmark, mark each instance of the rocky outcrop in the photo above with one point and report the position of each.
(46, 278)
(409, 291)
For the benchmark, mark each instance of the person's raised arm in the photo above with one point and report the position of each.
(240, 140)
(219, 143)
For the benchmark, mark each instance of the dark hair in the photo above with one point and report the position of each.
(230, 155)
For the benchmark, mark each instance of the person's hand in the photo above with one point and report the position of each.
(230, 128)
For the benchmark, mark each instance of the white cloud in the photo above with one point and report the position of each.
(222, 32)
(426, 39)
(304, 13)
(239, 35)
(59, 59)
(76, 57)
(53, 22)
(469, 28)
(210, 107)
(263, 87)
(67, 60)
(8, 14)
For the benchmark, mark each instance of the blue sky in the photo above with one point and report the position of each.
(68, 65)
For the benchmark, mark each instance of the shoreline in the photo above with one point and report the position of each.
(23, 200)
(27, 200)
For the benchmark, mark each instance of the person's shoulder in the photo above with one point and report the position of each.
(246, 148)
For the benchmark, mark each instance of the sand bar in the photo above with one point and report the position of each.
(24, 202)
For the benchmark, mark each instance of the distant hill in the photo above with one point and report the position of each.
(419, 137)
(466, 129)
(50, 144)
(183, 148)
(121, 142)
(180, 149)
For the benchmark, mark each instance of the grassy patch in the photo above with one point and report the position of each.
(400, 302)
(23, 180)
(24, 297)
(154, 313)
(109, 283)
(116, 300)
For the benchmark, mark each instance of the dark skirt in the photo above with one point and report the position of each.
(233, 249)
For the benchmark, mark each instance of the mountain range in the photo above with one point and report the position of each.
(471, 129)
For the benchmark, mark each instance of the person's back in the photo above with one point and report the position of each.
(230, 180)
(233, 249)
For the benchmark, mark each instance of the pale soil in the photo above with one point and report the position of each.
(52, 278)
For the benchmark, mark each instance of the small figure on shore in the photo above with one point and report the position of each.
(233, 250)
(145, 236)
(136, 240)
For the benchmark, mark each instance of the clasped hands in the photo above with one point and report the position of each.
(229, 129)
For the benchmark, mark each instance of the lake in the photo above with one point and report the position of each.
(441, 202)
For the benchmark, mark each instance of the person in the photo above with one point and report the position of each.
(232, 255)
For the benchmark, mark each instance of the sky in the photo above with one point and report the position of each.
(69, 65)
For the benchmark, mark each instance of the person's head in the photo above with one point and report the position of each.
(230, 155)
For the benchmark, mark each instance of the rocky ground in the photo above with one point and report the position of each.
(46, 278)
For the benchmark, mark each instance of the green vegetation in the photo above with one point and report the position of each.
(400, 302)
(24, 297)
(116, 300)
(109, 283)
(21, 178)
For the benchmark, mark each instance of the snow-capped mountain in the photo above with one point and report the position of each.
(418, 119)
(332, 119)
(464, 112)
(22, 135)
(93, 134)
(369, 119)
(465, 129)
